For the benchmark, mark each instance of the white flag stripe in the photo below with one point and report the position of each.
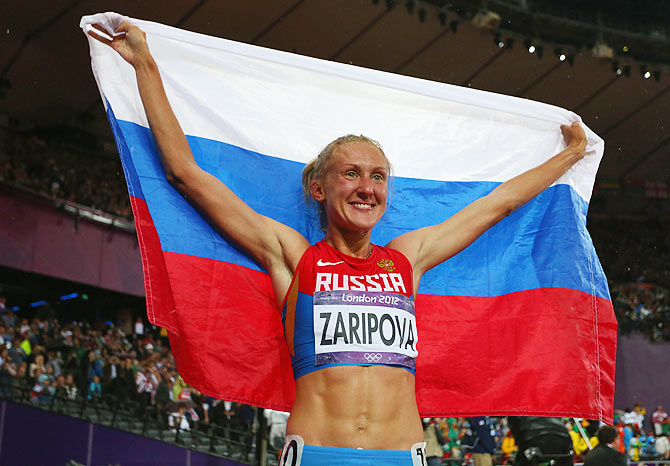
(290, 106)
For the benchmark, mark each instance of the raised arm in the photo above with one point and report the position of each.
(275, 246)
(430, 246)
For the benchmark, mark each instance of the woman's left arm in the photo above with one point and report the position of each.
(430, 246)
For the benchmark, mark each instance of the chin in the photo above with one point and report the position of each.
(363, 225)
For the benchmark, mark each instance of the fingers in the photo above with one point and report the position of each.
(123, 27)
(573, 130)
(575, 124)
(100, 28)
(105, 39)
(98, 37)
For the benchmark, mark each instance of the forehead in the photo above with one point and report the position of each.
(359, 153)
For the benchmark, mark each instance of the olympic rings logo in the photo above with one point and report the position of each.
(372, 357)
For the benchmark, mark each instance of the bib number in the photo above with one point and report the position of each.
(418, 451)
(291, 454)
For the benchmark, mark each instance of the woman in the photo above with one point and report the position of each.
(434, 441)
(339, 412)
(37, 364)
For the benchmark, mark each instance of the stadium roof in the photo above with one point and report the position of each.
(46, 79)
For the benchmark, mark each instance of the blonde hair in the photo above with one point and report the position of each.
(318, 167)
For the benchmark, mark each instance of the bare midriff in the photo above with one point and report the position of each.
(371, 407)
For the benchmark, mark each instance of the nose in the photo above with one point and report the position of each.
(365, 188)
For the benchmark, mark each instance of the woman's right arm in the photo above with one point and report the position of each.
(275, 246)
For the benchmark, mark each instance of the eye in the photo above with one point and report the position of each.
(378, 177)
(350, 174)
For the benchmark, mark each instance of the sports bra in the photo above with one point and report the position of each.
(343, 310)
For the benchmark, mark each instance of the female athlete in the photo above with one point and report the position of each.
(352, 406)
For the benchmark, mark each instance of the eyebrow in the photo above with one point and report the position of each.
(358, 167)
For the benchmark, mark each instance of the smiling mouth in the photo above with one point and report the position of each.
(361, 206)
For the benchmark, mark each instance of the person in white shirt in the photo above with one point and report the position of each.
(139, 327)
(659, 418)
(662, 446)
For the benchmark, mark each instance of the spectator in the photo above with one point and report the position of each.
(23, 330)
(9, 319)
(125, 388)
(59, 388)
(660, 421)
(187, 395)
(648, 445)
(627, 436)
(145, 388)
(508, 447)
(16, 352)
(4, 355)
(162, 397)
(621, 429)
(662, 446)
(638, 412)
(177, 419)
(94, 389)
(210, 403)
(245, 417)
(635, 447)
(93, 366)
(38, 387)
(434, 441)
(55, 362)
(454, 438)
(483, 447)
(70, 387)
(49, 373)
(7, 374)
(139, 328)
(110, 374)
(606, 452)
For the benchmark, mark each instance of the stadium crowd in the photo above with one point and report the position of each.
(95, 181)
(77, 361)
(459, 437)
(642, 307)
(633, 251)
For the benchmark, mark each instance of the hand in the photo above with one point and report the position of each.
(130, 43)
(575, 137)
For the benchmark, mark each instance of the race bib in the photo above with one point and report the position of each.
(291, 454)
(364, 327)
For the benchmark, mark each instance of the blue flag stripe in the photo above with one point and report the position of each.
(538, 246)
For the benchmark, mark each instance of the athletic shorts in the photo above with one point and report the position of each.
(296, 453)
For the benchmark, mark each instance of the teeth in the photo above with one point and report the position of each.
(363, 206)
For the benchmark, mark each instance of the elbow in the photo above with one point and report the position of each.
(178, 179)
(170, 177)
(175, 181)
(503, 204)
(512, 205)
(173, 178)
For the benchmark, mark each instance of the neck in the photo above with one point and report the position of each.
(355, 243)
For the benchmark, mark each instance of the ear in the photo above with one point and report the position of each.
(317, 191)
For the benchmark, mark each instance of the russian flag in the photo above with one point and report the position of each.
(520, 322)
